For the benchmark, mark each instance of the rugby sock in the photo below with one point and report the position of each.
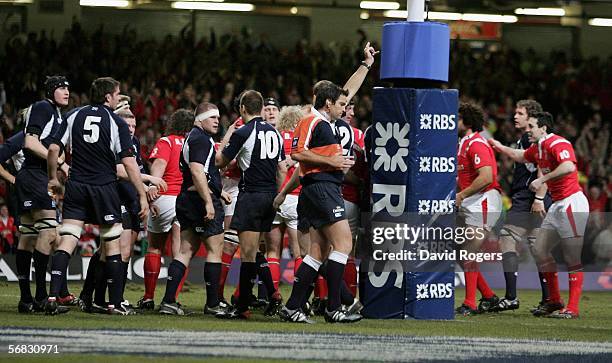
(100, 283)
(226, 263)
(543, 286)
(471, 282)
(40, 273)
(320, 288)
(576, 278)
(176, 271)
(350, 275)
(180, 286)
(346, 297)
(114, 278)
(248, 272)
(275, 270)
(549, 270)
(64, 288)
(212, 272)
(24, 263)
(125, 266)
(90, 280)
(336, 262)
(483, 287)
(296, 264)
(263, 271)
(59, 265)
(304, 277)
(262, 293)
(152, 265)
(510, 263)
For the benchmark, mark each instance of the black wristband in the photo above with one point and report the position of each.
(539, 198)
(363, 63)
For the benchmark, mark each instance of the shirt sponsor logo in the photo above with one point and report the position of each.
(338, 211)
(27, 203)
(430, 121)
(434, 291)
(436, 164)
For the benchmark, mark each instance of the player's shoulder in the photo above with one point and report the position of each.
(555, 140)
(43, 106)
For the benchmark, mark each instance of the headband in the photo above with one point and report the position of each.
(210, 113)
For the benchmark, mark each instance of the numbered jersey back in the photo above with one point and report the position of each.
(96, 137)
(258, 148)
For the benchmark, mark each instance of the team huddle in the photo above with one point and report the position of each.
(300, 172)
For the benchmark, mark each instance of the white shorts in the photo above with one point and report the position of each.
(166, 216)
(568, 216)
(353, 216)
(482, 209)
(230, 186)
(287, 212)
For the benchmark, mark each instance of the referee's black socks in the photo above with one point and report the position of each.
(304, 278)
(335, 272)
(176, 270)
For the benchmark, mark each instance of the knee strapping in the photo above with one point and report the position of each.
(70, 230)
(507, 232)
(110, 233)
(28, 230)
(45, 223)
(231, 237)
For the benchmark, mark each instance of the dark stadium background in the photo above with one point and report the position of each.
(168, 58)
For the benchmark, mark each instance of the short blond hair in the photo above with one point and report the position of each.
(289, 117)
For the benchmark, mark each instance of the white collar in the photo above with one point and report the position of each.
(320, 115)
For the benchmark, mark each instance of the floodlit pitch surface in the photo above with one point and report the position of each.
(508, 336)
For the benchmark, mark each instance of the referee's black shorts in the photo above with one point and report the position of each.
(320, 204)
(254, 212)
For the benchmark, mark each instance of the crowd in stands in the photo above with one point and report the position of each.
(183, 70)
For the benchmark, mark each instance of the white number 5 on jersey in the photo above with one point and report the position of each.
(91, 125)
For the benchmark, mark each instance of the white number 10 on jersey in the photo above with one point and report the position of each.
(269, 145)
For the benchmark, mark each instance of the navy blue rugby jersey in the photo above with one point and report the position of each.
(42, 119)
(199, 147)
(126, 189)
(13, 149)
(258, 148)
(523, 174)
(96, 136)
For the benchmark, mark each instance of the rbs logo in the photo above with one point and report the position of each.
(437, 122)
(436, 164)
(434, 291)
(436, 206)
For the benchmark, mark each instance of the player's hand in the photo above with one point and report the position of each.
(278, 200)
(159, 183)
(226, 197)
(458, 200)
(538, 208)
(210, 211)
(535, 185)
(55, 187)
(349, 161)
(152, 193)
(496, 145)
(144, 208)
(65, 169)
(154, 209)
(369, 52)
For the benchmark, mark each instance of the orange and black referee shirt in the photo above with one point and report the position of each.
(319, 136)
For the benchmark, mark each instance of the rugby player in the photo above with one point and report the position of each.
(199, 211)
(566, 218)
(258, 148)
(525, 215)
(37, 210)
(479, 201)
(165, 164)
(94, 133)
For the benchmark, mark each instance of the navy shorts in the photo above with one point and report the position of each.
(321, 204)
(520, 213)
(303, 222)
(129, 216)
(97, 204)
(32, 191)
(254, 212)
(190, 212)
